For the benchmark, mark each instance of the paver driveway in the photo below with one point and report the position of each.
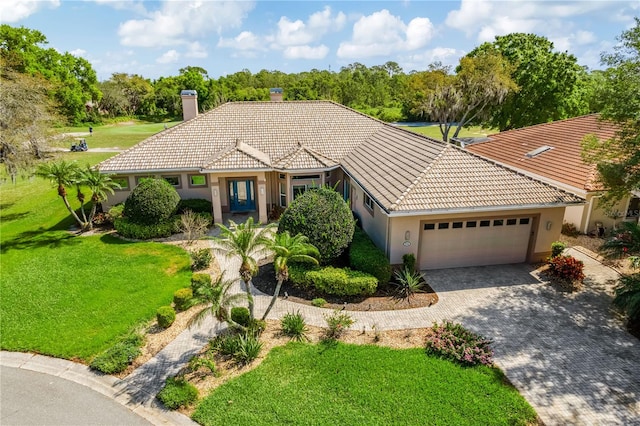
(566, 353)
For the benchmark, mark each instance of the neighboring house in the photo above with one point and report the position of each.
(550, 152)
(413, 194)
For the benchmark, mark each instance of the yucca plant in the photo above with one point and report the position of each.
(408, 283)
(249, 348)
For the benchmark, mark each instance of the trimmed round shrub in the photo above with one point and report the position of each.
(153, 201)
(241, 316)
(165, 315)
(322, 215)
(557, 247)
(199, 281)
(196, 205)
(182, 298)
(318, 302)
(177, 392)
(365, 256)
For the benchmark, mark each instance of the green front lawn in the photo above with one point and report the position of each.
(73, 296)
(357, 385)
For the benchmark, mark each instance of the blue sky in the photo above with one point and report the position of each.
(157, 38)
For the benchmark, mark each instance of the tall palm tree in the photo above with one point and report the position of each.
(62, 174)
(100, 186)
(289, 249)
(247, 241)
(218, 300)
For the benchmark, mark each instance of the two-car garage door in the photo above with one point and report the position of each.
(474, 242)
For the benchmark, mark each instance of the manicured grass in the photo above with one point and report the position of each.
(434, 131)
(72, 296)
(364, 385)
(114, 135)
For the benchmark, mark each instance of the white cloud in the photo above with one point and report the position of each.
(78, 52)
(246, 40)
(381, 34)
(486, 19)
(133, 5)
(306, 52)
(196, 50)
(176, 22)
(14, 11)
(168, 57)
(296, 33)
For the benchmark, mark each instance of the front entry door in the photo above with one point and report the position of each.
(241, 195)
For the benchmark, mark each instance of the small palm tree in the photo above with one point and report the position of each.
(62, 174)
(248, 242)
(289, 249)
(100, 186)
(218, 300)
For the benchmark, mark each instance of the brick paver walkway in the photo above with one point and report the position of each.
(566, 353)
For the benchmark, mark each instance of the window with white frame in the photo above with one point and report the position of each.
(368, 202)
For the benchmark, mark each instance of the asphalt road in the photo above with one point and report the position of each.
(32, 398)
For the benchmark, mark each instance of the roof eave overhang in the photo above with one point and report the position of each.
(405, 213)
(143, 171)
(245, 170)
(316, 170)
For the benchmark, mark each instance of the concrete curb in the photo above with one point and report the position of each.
(106, 385)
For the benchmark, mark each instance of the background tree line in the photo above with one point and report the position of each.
(517, 80)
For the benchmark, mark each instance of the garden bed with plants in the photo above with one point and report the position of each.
(384, 299)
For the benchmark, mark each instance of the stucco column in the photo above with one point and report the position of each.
(215, 199)
(262, 198)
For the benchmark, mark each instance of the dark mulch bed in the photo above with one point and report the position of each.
(382, 300)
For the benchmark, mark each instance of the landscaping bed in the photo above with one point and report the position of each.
(382, 300)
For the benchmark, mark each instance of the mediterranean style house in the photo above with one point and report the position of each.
(413, 194)
(550, 152)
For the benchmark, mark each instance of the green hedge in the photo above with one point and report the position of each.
(196, 205)
(365, 256)
(165, 315)
(342, 281)
(129, 229)
(298, 274)
(182, 298)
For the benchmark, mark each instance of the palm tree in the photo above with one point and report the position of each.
(289, 249)
(100, 186)
(246, 241)
(62, 174)
(218, 300)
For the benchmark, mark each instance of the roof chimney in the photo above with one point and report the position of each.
(275, 94)
(189, 104)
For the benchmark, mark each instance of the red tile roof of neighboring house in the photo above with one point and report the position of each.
(562, 163)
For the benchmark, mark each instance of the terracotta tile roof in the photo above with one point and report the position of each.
(401, 170)
(275, 129)
(562, 163)
(405, 171)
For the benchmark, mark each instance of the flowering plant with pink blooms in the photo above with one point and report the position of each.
(454, 342)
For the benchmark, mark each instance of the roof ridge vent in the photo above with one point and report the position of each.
(538, 151)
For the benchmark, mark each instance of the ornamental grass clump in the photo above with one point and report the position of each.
(337, 323)
(454, 342)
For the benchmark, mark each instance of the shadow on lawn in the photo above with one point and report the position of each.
(37, 239)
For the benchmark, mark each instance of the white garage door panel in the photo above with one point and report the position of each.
(475, 246)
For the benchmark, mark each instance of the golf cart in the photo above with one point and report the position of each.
(82, 146)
